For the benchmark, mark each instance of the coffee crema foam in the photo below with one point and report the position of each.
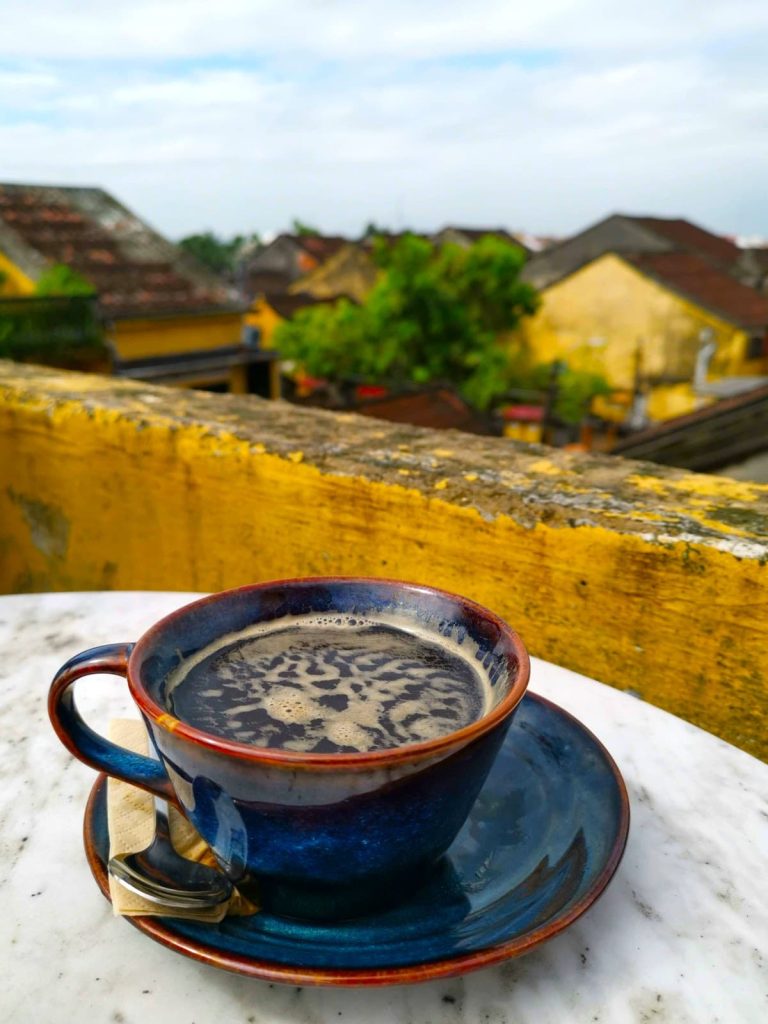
(325, 684)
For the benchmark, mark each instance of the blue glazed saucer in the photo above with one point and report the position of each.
(540, 845)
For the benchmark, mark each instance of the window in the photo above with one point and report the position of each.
(755, 347)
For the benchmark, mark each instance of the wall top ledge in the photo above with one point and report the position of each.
(531, 484)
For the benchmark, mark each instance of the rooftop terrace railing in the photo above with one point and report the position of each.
(60, 330)
(650, 579)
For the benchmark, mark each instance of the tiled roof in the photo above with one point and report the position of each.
(625, 233)
(321, 246)
(440, 409)
(697, 279)
(717, 435)
(134, 270)
(692, 238)
(261, 282)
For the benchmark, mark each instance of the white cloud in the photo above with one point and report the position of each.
(240, 115)
(348, 29)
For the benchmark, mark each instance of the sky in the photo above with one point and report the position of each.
(239, 115)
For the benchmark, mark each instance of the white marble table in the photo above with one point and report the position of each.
(681, 934)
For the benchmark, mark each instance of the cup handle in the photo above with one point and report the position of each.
(89, 746)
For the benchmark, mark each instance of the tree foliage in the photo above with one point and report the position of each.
(303, 230)
(62, 280)
(56, 330)
(57, 325)
(435, 315)
(218, 254)
(372, 229)
(574, 389)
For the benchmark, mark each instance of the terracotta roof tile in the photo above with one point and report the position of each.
(440, 409)
(697, 279)
(133, 269)
(321, 246)
(685, 235)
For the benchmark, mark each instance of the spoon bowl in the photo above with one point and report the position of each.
(162, 876)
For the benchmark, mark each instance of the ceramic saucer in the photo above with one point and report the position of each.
(542, 842)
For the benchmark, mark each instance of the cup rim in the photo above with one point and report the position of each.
(305, 759)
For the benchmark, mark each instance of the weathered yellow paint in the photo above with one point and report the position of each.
(598, 317)
(666, 401)
(14, 283)
(264, 317)
(546, 467)
(529, 432)
(172, 335)
(648, 578)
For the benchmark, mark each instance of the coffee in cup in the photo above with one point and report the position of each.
(327, 737)
(332, 685)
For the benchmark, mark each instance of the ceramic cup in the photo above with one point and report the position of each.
(307, 834)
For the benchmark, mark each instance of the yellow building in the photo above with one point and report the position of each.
(166, 318)
(267, 312)
(671, 323)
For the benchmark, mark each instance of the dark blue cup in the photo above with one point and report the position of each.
(307, 834)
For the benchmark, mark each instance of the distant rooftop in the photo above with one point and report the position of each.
(711, 288)
(692, 238)
(134, 270)
(712, 437)
(625, 233)
(682, 256)
(322, 247)
(438, 408)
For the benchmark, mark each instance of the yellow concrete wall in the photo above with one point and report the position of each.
(610, 300)
(145, 338)
(264, 317)
(648, 578)
(14, 283)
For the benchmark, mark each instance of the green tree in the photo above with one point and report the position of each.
(574, 389)
(57, 325)
(62, 280)
(372, 229)
(435, 315)
(303, 230)
(218, 254)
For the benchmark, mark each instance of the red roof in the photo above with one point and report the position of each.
(132, 268)
(697, 279)
(439, 409)
(322, 247)
(692, 238)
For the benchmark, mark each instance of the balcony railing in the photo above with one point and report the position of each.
(647, 578)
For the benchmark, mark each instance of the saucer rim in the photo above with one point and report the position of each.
(444, 967)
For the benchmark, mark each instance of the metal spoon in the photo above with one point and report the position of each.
(164, 877)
